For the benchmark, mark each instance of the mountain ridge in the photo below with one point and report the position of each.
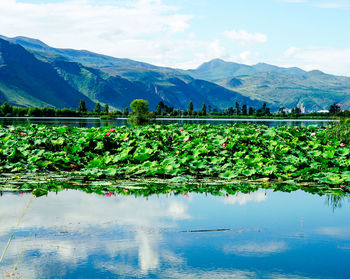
(116, 81)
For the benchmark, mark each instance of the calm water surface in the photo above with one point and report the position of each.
(258, 235)
(96, 122)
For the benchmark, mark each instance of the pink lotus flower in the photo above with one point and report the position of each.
(199, 134)
(342, 186)
(249, 123)
(257, 130)
(227, 139)
(296, 127)
(342, 144)
(287, 127)
(109, 194)
(23, 134)
(126, 139)
(186, 139)
(181, 130)
(313, 134)
(112, 130)
(108, 134)
(224, 144)
(186, 196)
(125, 190)
(177, 152)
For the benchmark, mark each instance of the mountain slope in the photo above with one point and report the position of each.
(61, 77)
(278, 86)
(26, 81)
(119, 81)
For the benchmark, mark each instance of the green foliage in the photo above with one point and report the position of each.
(140, 112)
(97, 108)
(334, 109)
(190, 108)
(82, 107)
(341, 130)
(106, 109)
(238, 152)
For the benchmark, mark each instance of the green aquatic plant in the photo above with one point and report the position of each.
(227, 152)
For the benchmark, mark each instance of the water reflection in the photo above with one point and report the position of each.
(336, 201)
(96, 122)
(76, 235)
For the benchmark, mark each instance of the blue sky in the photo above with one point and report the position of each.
(311, 34)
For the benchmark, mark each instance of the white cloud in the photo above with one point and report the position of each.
(243, 199)
(135, 29)
(326, 59)
(334, 5)
(245, 38)
(63, 224)
(337, 232)
(256, 249)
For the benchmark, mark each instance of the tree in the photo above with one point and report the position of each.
(230, 111)
(6, 109)
(282, 110)
(126, 111)
(204, 109)
(334, 109)
(244, 110)
(238, 109)
(97, 108)
(140, 112)
(82, 107)
(106, 109)
(296, 110)
(190, 108)
(251, 111)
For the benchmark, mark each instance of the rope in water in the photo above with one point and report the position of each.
(15, 229)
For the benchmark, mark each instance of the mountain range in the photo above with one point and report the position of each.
(35, 74)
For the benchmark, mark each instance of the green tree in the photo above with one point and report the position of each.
(238, 109)
(6, 109)
(82, 107)
(204, 109)
(140, 112)
(251, 111)
(106, 109)
(97, 108)
(126, 111)
(296, 110)
(244, 110)
(334, 109)
(190, 108)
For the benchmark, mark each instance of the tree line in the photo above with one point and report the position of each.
(162, 110)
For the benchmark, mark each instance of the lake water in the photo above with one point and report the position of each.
(96, 122)
(264, 234)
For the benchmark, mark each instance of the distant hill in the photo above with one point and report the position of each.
(278, 86)
(35, 74)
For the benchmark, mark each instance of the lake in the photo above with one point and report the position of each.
(263, 234)
(96, 122)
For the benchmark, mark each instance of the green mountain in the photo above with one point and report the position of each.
(100, 78)
(278, 86)
(27, 81)
(35, 74)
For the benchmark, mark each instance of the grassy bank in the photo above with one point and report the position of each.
(239, 152)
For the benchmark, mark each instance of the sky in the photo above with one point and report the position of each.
(310, 34)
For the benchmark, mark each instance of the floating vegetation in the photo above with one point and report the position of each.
(52, 182)
(241, 154)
